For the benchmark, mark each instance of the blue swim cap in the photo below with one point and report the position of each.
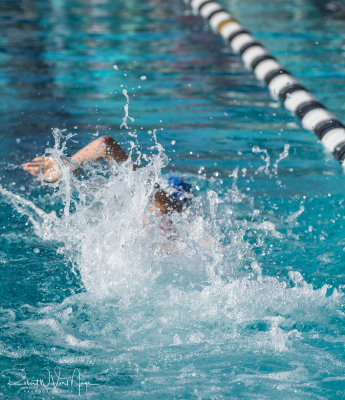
(179, 188)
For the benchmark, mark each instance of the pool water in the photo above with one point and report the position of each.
(246, 300)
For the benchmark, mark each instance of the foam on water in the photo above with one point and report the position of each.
(157, 295)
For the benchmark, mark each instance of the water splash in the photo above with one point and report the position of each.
(126, 108)
(282, 156)
(265, 156)
(267, 159)
(202, 294)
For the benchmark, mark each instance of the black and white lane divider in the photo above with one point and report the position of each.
(296, 98)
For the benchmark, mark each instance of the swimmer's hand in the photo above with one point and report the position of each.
(46, 167)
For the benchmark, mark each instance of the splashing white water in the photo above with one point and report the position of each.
(282, 156)
(126, 108)
(267, 159)
(202, 287)
(265, 156)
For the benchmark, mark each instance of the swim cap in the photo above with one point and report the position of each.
(179, 189)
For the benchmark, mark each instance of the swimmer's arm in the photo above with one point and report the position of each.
(103, 148)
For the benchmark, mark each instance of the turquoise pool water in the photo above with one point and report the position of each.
(247, 301)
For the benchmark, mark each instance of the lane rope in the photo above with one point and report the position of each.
(281, 83)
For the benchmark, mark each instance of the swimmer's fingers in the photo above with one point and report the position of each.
(33, 168)
(37, 162)
(41, 161)
(32, 165)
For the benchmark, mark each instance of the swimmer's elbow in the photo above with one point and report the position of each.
(107, 140)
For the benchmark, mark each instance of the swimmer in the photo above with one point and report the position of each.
(165, 201)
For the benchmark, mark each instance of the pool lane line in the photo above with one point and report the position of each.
(281, 83)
